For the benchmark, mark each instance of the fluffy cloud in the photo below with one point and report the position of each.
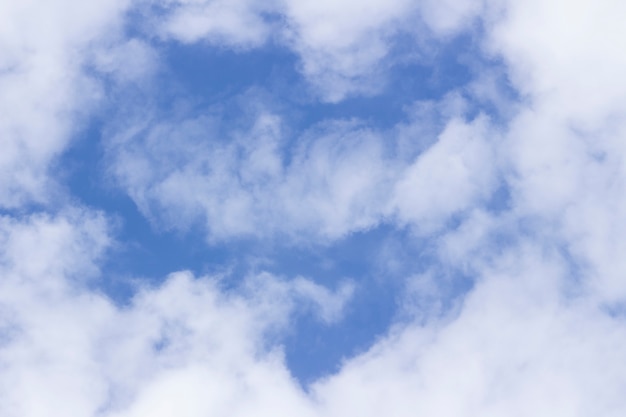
(573, 67)
(516, 347)
(341, 176)
(517, 343)
(565, 158)
(452, 175)
(45, 91)
(67, 350)
(237, 23)
(343, 44)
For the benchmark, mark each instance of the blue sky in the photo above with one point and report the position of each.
(312, 208)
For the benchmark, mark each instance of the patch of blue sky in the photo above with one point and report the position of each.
(143, 250)
(314, 350)
(208, 77)
(147, 254)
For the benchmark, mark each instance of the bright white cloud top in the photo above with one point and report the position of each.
(432, 194)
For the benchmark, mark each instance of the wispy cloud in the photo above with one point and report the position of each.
(337, 178)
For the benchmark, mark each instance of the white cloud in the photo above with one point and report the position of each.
(516, 348)
(329, 306)
(344, 45)
(238, 23)
(45, 92)
(46, 341)
(573, 65)
(126, 61)
(66, 350)
(448, 17)
(454, 174)
(563, 147)
(518, 345)
(337, 178)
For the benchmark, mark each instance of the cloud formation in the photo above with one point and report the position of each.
(527, 212)
(46, 94)
(338, 178)
(68, 350)
(345, 48)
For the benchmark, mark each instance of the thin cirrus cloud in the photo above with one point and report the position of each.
(526, 211)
